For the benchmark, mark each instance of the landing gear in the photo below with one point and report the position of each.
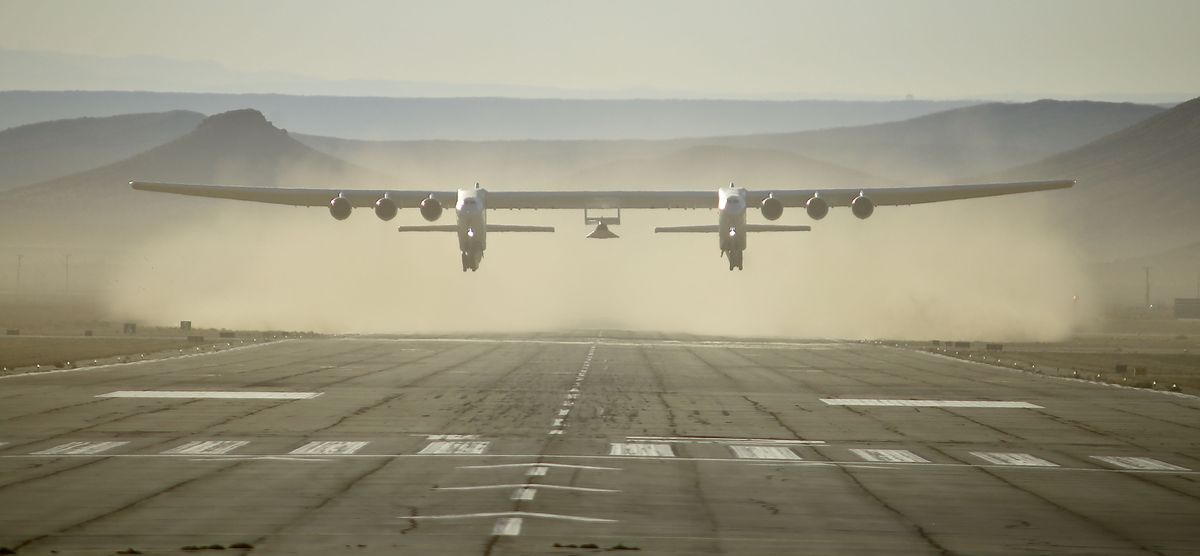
(470, 261)
(735, 259)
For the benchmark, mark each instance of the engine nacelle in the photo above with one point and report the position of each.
(862, 207)
(385, 209)
(431, 209)
(340, 208)
(772, 208)
(816, 208)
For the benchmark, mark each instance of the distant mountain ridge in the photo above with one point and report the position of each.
(479, 118)
(42, 151)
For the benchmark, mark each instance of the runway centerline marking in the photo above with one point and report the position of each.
(444, 447)
(1139, 463)
(507, 527)
(537, 471)
(889, 456)
(202, 394)
(523, 493)
(527, 485)
(931, 403)
(1013, 458)
(322, 448)
(641, 449)
(207, 447)
(763, 452)
(79, 448)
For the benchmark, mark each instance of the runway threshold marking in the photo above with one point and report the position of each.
(889, 456)
(537, 471)
(1138, 463)
(207, 447)
(507, 527)
(523, 493)
(641, 449)
(513, 514)
(1013, 458)
(528, 485)
(79, 448)
(558, 465)
(447, 447)
(931, 403)
(763, 452)
(202, 394)
(328, 447)
(721, 440)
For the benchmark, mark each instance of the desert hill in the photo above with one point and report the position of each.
(1139, 188)
(42, 151)
(98, 207)
(941, 147)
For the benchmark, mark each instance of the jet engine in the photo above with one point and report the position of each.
(431, 209)
(817, 208)
(862, 206)
(772, 208)
(385, 209)
(340, 207)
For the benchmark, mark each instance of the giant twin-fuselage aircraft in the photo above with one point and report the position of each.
(732, 204)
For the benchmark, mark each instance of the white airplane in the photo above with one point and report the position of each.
(732, 204)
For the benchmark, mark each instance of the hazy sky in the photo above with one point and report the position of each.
(929, 48)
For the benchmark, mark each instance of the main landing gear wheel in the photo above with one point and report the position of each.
(466, 261)
(735, 260)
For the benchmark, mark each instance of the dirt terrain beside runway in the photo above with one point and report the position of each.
(529, 445)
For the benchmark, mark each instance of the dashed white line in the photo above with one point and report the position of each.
(528, 485)
(641, 449)
(524, 493)
(180, 394)
(1013, 458)
(79, 448)
(537, 471)
(442, 447)
(931, 403)
(564, 412)
(328, 448)
(763, 452)
(507, 526)
(1140, 464)
(889, 456)
(207, 447)
(557, 423)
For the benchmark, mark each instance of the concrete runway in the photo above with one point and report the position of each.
(513, 445)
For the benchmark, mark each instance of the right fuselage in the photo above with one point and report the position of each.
(471, 213)
(731, 205)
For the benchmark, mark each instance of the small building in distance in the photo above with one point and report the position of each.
(1187, 307)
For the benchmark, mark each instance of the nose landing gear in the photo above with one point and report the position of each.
(735, 259)
(470, 261)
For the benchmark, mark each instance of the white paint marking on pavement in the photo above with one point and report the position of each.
(201, 394)
(524, 493)
(441, 447)
(324, 448)
(1140, 464)
(573, 396)
(79, 448)
(207, 447)
(259, 458)
(1013, 458)
(557, 465)
(763, 452)
(931, 403)
(556, 431)
(720, 440)
(641, 449)
(564, 412)
(557, 423)
(527, 485)
(507, 527)
(513, 514)
(889, 456)
(450, 436)
(537, 471)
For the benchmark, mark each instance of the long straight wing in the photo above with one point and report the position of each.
(882, 196)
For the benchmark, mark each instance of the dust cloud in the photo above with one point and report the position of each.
(993, 269)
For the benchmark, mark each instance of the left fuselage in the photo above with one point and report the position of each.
(731, 204)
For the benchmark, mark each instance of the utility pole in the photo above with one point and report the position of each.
(1147, 305)
(19, 257)
(67, 274)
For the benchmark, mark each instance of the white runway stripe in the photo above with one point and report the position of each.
(763, 452)
(641, 449)
(889, 456)
(507, 526)
(931, 403)
(1013, 458)
(79, 448)
(455, 448)
(201, 394)
(328, 448)
(207, 447)
(524, 493)
(537, 471)
(1140, 464)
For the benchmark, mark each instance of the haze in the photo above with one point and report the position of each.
(1098, 49)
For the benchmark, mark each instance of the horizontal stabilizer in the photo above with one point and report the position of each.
(504, 228)
(776, 228)
(711, 229)
(441, 228)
